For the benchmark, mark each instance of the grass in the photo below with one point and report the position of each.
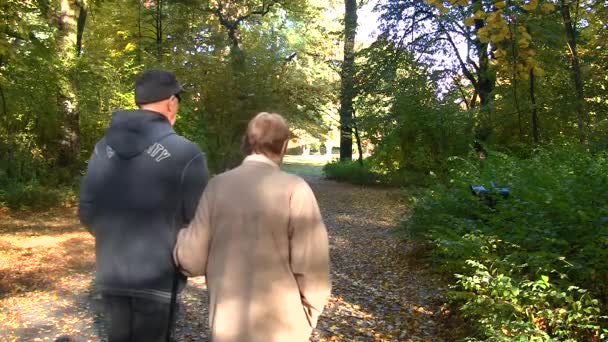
(311, 166)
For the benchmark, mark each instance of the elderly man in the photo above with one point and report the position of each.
(259, 238)
(142, 185)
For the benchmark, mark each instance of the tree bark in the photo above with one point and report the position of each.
(485, 81)
(69, 139)
(82, 20)
(4, 110)
(159, 30)
(139, 36)
(535, 130)
(576, 71)
(358, 137)
(348, 83)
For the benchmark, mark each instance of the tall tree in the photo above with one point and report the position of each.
(433, 29)
(348, 80)
(577, 75)
(72, 18)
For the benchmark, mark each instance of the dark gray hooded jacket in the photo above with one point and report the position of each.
(143, 184)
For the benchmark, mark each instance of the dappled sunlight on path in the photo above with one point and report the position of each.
(382, 291)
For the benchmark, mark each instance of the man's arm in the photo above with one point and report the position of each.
(192, 246)
(87, 193)
(194, 180)
(309, 251)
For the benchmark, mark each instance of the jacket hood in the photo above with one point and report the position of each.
(132, 132)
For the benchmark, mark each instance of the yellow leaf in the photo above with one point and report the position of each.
(547, 8)
(523, 43)
(492, 17)
(499, 53)
(122, 34)
(483, 35)
(470, 21)
(530, 6)
(530, 62)
(443, 9)
(538, 71)
(500, 5)
(130, 47)
(497, 38)
(479, 14)
(528, 52)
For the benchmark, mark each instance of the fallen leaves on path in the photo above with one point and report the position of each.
(381, 291)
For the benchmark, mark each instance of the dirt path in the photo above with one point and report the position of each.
(381, 292)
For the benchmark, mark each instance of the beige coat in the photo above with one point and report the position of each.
(259, 238)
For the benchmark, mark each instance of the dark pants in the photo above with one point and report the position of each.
(136, 319)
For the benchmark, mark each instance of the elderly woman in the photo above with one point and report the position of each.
(259, 239)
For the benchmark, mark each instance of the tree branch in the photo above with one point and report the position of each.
(463, 66)
(262, 12)
(462, 93)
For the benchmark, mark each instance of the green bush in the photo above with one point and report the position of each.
(375, 172)
(35, 196)
(534, 267)
(29, 183)
(350, 171)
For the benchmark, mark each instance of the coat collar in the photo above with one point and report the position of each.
(260, 158)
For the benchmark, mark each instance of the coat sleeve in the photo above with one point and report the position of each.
(192, 246)
(194, 180)
(309, 251)
(86, 207)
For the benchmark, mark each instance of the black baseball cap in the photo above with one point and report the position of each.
(156, 85)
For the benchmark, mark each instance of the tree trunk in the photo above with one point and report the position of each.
(576, 71)
(348, 83)
(69, 139)
(534, 109)
(5, 117)
(514, 75)
(159, 30)
(485, 80)
(82, 20)
(517, 107)
(358, 137)
(236, 53)
(139, 36)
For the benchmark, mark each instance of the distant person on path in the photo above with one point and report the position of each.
(259, 238)
(142, 185)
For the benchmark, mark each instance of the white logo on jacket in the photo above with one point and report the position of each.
(158, 152)
(109, 152)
